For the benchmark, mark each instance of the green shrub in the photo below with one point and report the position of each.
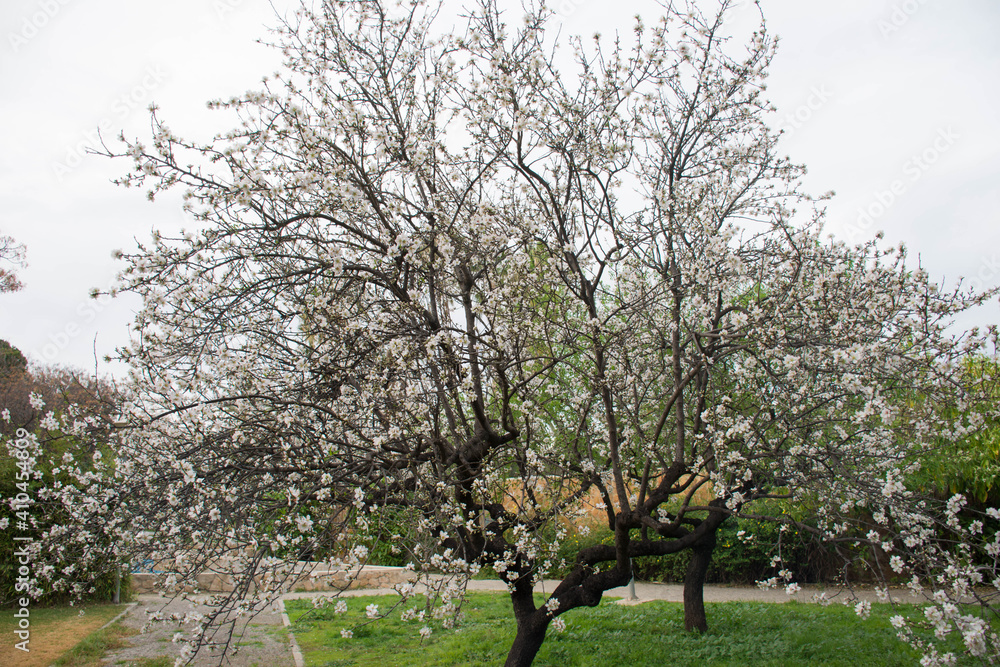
(743, 555)
(388, 537)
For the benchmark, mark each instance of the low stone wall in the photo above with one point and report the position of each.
(369, 577)
(316, 580)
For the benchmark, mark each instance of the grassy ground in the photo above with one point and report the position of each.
(741, 633)
(54, 631)
(90, 652)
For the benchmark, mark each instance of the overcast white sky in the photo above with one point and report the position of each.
(891, 103)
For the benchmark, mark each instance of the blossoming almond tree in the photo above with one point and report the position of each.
(452, 275)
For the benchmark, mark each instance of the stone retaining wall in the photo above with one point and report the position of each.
(316, 580)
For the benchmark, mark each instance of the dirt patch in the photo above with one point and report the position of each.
(52, 634)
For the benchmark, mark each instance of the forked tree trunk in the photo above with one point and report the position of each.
(694, 584)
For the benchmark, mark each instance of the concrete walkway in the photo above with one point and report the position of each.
(267, 644)
(646, 592)
(264, 643)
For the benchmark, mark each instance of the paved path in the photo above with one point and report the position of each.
(266, 643)
(646, 592)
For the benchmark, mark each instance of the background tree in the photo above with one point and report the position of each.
(970, 466)
(59, 388)
(12, 361)
(436, 273)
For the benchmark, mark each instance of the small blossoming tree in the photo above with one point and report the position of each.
(451, 275)
(53, 424)
(11, 258)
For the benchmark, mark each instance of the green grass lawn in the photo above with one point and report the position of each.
(740, 634)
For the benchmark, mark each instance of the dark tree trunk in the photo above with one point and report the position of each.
(694, 584)
(526, 644)
(531, 624)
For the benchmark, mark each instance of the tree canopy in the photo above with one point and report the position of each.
(452, 275)
(12, 361)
